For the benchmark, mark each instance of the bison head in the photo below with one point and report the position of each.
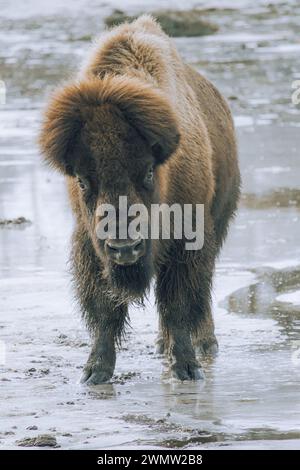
(109, 136)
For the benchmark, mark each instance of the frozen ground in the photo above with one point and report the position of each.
(250, 398)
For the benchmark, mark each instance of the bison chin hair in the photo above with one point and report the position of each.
(129, 284)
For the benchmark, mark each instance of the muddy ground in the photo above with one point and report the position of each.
(250, 398)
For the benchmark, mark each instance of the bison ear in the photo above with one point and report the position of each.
(60, 129)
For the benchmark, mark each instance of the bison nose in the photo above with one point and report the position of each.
(125, 252)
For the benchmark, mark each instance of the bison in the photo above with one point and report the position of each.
(139, 122)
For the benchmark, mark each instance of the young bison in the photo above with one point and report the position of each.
(140, 123)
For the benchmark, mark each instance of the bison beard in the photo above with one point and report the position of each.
(131, 283)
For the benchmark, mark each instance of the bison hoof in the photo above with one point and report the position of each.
(95, 375)
(188, 372)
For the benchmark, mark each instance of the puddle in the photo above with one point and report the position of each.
(282, 197)
(275, 295)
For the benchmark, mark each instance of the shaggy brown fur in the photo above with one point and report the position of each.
(135, 106)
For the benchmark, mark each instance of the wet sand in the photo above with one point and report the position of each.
(250, 398)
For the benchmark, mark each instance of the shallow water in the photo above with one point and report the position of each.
(250, 398)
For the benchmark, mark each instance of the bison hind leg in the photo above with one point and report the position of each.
(204, 339)
(207, 347)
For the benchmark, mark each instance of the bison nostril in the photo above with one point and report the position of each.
(112, 248)
(139, 243)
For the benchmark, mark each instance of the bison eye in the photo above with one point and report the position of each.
(148, 180)
(83, 185)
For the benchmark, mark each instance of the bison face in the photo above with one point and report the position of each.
(109, 137)
(114, 171)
